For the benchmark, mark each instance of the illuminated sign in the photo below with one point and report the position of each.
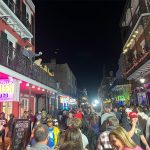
(72, 101)
(9, 90)
(121, 98)
(64, 99)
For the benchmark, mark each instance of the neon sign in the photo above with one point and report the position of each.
(6, 90)
(64, 99)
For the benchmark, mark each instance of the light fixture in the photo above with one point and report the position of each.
(142, 80)
(125, 50)
(10, 78)
(33, 87)
(136, 31)
(134, 35)
(131, 40)
(27, 84)
(38, 88)
(43, 89)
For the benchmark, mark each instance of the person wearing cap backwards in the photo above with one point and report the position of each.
(131, 125)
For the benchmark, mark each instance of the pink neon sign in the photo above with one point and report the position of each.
(6, 90)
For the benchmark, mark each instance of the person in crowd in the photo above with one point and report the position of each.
(125, 115)
(94, 124)
(120, 140)
(132, 126)
(53, 134)
(38, 62)
(77, 123)
(41, 138)
(69, 119)
(10, 125)
(38, 116)
(43, 121)
(148, 130)
(74, 135)
(25, 115)
(107, 113)
(60, 114)
(29, 53)
(70, 145)
(142, 117)
(79, 114)
(103, 139)
(44, 118)
(118, 114)
(3, 122)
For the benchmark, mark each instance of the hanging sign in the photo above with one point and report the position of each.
(9, 90)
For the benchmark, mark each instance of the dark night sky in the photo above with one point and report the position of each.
(87, 34)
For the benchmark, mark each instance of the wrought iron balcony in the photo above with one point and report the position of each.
(12, 58)
(16, 10)
(133, 15)
(138, 64)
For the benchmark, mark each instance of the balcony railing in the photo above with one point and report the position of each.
(135, 64)
(118, 82)
(128, 26)
(13, 59)
(13, 7)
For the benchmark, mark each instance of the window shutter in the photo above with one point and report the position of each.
(33, 29)
(3, 36)
(18, 4)
(24, 13)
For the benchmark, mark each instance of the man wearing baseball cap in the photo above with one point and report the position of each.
(134, 130)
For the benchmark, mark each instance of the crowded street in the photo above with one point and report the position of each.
(75, 75)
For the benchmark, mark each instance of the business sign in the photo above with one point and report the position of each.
(72, 101)
(121, 98)
(64, 99)
(9, 90)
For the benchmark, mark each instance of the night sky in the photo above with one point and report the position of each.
(85, 34)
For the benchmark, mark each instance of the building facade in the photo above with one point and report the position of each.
(23, 85)
(134, 62)
(65, 77)
(67, 85)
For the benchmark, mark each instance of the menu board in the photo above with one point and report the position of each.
(21, 134)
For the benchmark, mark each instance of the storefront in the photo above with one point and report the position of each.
(17, 96)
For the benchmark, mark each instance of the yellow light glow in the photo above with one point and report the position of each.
(131, 40)
(136, 32)
(134, 36)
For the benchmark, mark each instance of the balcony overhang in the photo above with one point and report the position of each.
(144, 70)
(13, 21)
(134, 29)
(21, 77)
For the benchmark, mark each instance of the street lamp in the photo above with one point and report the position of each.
(142, 80)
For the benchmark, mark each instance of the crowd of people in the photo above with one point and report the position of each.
(118, 128)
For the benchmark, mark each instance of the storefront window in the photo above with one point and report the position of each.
(24, 106)
(7, 109)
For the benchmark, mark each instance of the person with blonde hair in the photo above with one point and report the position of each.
(120, 140)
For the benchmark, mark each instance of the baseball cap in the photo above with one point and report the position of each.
(128, 110)
(133, 115)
